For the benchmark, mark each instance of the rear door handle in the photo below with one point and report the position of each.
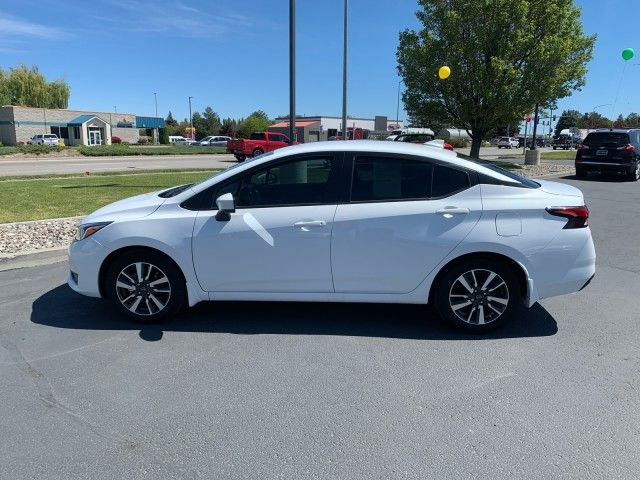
(448, 212)
(307, 224)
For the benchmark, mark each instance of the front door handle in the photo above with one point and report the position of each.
(307, 224)
(450, 211)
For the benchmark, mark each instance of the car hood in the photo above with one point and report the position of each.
(557, 188)
(128, 208)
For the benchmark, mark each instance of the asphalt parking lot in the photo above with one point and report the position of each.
(287, 390)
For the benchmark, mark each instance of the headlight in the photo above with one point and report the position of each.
(84, 231)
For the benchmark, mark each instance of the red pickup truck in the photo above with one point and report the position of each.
(258, 143)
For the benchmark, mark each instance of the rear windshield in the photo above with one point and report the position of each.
(606, 139)
(50, 136)
(523, 181)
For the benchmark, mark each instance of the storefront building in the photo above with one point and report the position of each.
(74, 127)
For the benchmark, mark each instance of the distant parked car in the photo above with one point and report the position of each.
(413, 138)
(174, 138)
(615, 150)
(184, 141)
(49, 139)
(257, 144)
(508, 142)
(214, 141)
(564, 142)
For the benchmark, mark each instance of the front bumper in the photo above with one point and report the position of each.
(85, 259)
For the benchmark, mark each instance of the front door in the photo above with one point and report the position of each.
(95, 137)
(404, 217)
(279, 238)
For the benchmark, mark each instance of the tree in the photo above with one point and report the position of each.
(619, 122)
(632, 120)
(568, 119)
(212, 121)
(594, 120)
(200, 125)
(229, 128)
(170, 120)
(258, 121)
(27, 87)
(505, 56)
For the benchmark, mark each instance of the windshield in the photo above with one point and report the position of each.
(606, 139)
(232, 167)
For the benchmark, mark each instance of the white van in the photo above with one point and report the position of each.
(174, 138)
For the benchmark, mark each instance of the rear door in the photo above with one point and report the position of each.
(404, 215)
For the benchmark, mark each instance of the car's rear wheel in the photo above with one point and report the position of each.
(258, 151)
(477, 295)
(145, 286)
(581, 172)
(634, 173)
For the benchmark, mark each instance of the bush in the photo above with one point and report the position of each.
(116, 139)
(39, 149)
(142, 141)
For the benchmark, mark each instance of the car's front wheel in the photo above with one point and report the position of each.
(477, 295)
(145, 286)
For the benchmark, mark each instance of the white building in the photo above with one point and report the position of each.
(330, 126)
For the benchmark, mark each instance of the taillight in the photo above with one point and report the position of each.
(582, 146)
(577, 217)
(628, 148)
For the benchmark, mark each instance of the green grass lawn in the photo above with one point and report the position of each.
(67, 196)
(559, 155)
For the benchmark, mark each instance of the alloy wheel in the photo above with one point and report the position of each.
(479, 297)
(143, 288)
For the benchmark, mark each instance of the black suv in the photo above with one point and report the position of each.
(610, 151)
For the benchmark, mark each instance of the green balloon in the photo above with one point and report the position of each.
(628, 53)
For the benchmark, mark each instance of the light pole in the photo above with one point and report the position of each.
(156, 140)
(190, 120)
(292, 70)
(398, 107)
(344, 73)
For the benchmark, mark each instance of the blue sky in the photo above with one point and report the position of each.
(233, 55)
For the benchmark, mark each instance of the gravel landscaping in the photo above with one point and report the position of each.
(26, 237)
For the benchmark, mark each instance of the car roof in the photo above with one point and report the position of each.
(615, 130)
(362, 146)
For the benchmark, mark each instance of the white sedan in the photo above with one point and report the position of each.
(342, 222)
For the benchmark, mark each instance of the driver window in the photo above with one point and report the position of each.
(301, 182)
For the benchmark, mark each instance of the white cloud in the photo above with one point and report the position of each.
(11, 26)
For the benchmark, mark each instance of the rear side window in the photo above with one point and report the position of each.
(606, 139)
(378, 178)
(447, 181)
(256, 136)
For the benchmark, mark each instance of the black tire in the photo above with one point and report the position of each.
(147, 310)
(258, 151)
(555, 148)
(241, 158)
(581, 172)
(450, 292)
(634, 173)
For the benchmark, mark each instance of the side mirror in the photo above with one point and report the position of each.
(226, 206)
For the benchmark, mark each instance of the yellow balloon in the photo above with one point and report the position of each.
(444, 72)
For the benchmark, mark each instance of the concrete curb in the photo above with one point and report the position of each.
(34, 258)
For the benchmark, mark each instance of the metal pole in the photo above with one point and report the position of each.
(398, 107)
(190, 120)
(292, 70)
(344, 73)
(535, 128)
(156, 135)
(44, 111)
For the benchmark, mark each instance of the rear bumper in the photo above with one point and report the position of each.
(567, 265)
(596, 166)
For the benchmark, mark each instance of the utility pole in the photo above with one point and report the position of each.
(292, 70)
(344, 73)
(190, 120)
